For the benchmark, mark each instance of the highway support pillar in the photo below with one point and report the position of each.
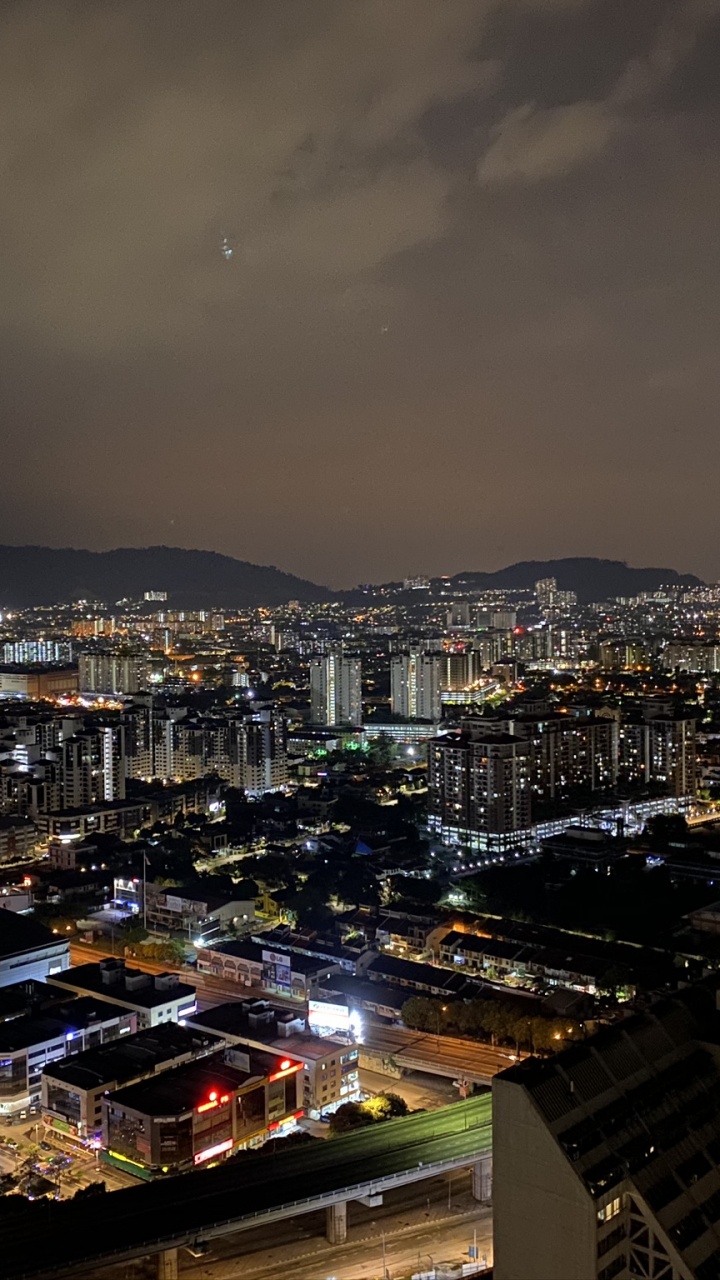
(337, 1223)
(167, 1265)
(482, 1180)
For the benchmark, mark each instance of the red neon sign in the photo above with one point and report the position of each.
(213, 1101)
(287, 1068)
(209, 1152)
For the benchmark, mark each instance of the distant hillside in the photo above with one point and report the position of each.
(192, 579)
(591, 579)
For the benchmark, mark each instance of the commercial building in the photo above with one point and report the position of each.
(415, 685)
(324, 1042)
(155, 998)
(202, 1112)
(479, 789)
(30, 1041)
(73, 1088)
(33, 683)
(336, 689)
(197, 915)
(274, 972)
(609, 1154)
(29, 950)
(586, 847)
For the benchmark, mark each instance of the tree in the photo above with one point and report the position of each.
(380, 751)
(386, 1106)
(357, 884)
(420, 1013)
(348, 1117)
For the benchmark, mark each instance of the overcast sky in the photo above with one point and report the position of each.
(473, 309)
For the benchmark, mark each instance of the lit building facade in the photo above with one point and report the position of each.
(479, 790)
(415, 685)
(336, 689)
(199, 1114)
(609, 1155)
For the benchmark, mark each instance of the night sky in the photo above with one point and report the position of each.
(472, 313)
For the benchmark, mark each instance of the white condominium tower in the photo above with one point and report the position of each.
(336, 689)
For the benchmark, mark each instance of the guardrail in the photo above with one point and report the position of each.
(321, 1200)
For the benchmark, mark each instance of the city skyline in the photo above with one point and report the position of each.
(362, 290)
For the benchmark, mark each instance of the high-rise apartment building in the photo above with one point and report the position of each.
(608, 1154)
(265, 753)
(659, 748)
(246, 751)
(336, 689)
(41, 651)
(92, 766)
(113, 672)
(479, 789)
(569, 753)
(415, 685)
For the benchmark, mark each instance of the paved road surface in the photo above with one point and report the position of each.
(211, 990)
(453, 1053)
(189, 1207)
(420, 1220)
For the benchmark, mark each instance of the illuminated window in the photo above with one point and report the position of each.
(610, 1210)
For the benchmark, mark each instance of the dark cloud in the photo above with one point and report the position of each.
(471, 313)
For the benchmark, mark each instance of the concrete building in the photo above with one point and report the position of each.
(609, 1154)
(29, 950)
(336, 689)
(32, 683)
(330, 1061)
(32, 1040)
(479, 789)
(199, 916)
(33, 652)
(202, 1112)
(113, 671)
(92, 767)
(73, 1088)
(415, 685)
(155, 998)
(568, 752)
(273, 971)
(247, 751)
(18, 838)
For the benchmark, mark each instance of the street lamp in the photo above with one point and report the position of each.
(438, 1010)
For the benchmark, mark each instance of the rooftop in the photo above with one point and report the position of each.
(253, 951)
(132, 1057)
(113, 980)
(638, 1105)
(182, 1088)
(19, 934)
(61, 1020)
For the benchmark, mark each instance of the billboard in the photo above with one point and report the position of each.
(321, 1013)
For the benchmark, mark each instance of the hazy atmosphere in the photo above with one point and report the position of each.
(362, 289)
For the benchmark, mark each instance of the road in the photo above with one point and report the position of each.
(83, 1170)
(211, 990)
(441, 1055)
(436, 1219)
(73, 1236)
(450, 1056)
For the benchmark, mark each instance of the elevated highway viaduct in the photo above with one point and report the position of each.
(57, 1241)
